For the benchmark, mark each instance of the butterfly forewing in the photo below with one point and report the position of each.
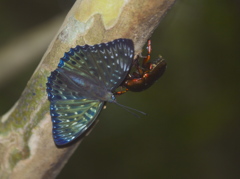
(115, 61)
(109, 62)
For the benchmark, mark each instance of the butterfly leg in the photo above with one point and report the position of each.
(121, 91)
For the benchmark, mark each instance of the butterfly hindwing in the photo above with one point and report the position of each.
(71, 118)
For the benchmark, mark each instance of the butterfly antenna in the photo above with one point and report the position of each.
(129, 109)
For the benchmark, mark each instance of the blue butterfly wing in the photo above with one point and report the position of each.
(106, 63)
(73, 109)
(71, 118)
(72, 114)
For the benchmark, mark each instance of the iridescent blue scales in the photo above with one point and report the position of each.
(85, 79)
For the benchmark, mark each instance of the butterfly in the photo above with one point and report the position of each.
(86, 78)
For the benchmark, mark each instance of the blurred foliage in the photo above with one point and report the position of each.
(192, 127)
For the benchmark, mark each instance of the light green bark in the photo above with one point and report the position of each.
(27, 149)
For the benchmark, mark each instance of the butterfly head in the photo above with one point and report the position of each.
(109, 97)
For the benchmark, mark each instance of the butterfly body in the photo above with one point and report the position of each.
(90, 89)
(85, 79)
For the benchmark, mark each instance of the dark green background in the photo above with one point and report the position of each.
(192, 127)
